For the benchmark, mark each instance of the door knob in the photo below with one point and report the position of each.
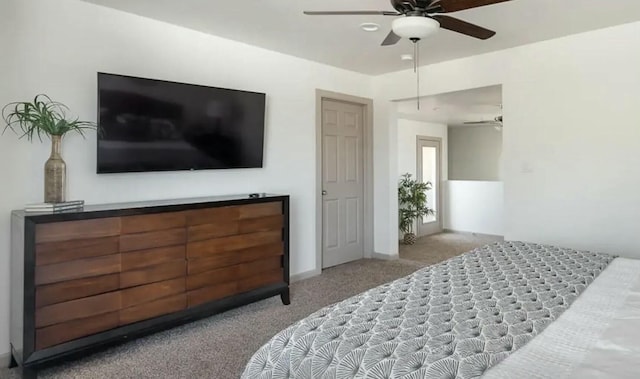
(324, 193)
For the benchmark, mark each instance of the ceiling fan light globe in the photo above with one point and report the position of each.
(415, 27)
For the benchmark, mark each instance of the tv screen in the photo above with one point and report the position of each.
(154, 125)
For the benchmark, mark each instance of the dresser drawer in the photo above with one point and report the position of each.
(83, 268)
(68, 331)
(213, 277)
(210, 231)
(63, 251)
(261, 224)
(213, 215)
(256, 267)
(151, 292)
(232, 243)
(263, 279)
(150, 240)
(198, 265)
(78, 309)
(153, 222)
(144, 258)
(152, 274)
(76, 289)
(77, 230)
(260, 210)
(153, 309)
(206, 294)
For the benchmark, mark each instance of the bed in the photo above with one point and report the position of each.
(505, 310)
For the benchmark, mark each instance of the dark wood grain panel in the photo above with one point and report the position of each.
(232, 243)
(261, 224)
(83, 268)
(259, 252)
(72, 230)
(213, 215)
(152, 274)
(68, 331)
(77, 309)
(153, 309)
(263, 279)
(62, 251)
(206, 294)
(260, 210)
(198, 265)
(150, 292)
(253, 268)
(149, 240)
(76, 289)
(144, 258)
(232, 273)
(209, 231)
(153, 222)
(213, 277)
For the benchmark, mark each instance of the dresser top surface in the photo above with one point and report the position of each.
(142, 207)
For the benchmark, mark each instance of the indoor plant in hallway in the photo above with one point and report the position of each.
(45, 117)
(412, 205)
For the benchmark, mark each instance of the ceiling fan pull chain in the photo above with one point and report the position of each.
(415, 51)
(416, 66)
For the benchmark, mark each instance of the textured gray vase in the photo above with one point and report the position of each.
(409, 238)
(55, 174)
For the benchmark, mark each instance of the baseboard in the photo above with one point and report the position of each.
(304, 275)
(472, 233)
(5, 360)
(385, 257)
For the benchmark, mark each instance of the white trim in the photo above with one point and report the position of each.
(367, 105)
(385, 257)
(304, 275)
(5, 360)
(438, 184)
(470, 233)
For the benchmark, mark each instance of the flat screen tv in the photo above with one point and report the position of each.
(155, 125)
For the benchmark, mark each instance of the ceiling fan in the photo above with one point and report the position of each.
(496, 122)
(423, 18)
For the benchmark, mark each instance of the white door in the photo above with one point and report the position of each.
(342, 182)
(429, 169)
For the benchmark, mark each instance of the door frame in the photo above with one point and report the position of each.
(367, 151)
(438, 185)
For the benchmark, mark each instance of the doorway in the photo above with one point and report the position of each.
(345, 161)
(429, 169)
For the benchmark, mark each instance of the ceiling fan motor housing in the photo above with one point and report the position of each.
(415, 27)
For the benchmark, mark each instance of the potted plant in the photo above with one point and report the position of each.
(45, 117)
(412, 204)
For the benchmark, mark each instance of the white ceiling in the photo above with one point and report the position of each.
(456, 108)
(337, 40)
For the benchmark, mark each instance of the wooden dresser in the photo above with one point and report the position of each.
(87, 279)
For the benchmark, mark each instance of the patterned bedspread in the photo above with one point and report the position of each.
(452, 320)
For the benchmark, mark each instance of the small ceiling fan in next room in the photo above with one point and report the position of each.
(419, 19)
(496, 123)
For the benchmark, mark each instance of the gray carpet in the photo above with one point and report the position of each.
(219, 346)
(437, 248)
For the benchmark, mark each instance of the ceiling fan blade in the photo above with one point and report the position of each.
(448, 6)
(348, 13)
(481, 123)
(392, 39)
(463, 27)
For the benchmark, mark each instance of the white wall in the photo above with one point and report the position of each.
(475, 206)
(571, 136)
(15, 167)
(475, 153)
(67, 41)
